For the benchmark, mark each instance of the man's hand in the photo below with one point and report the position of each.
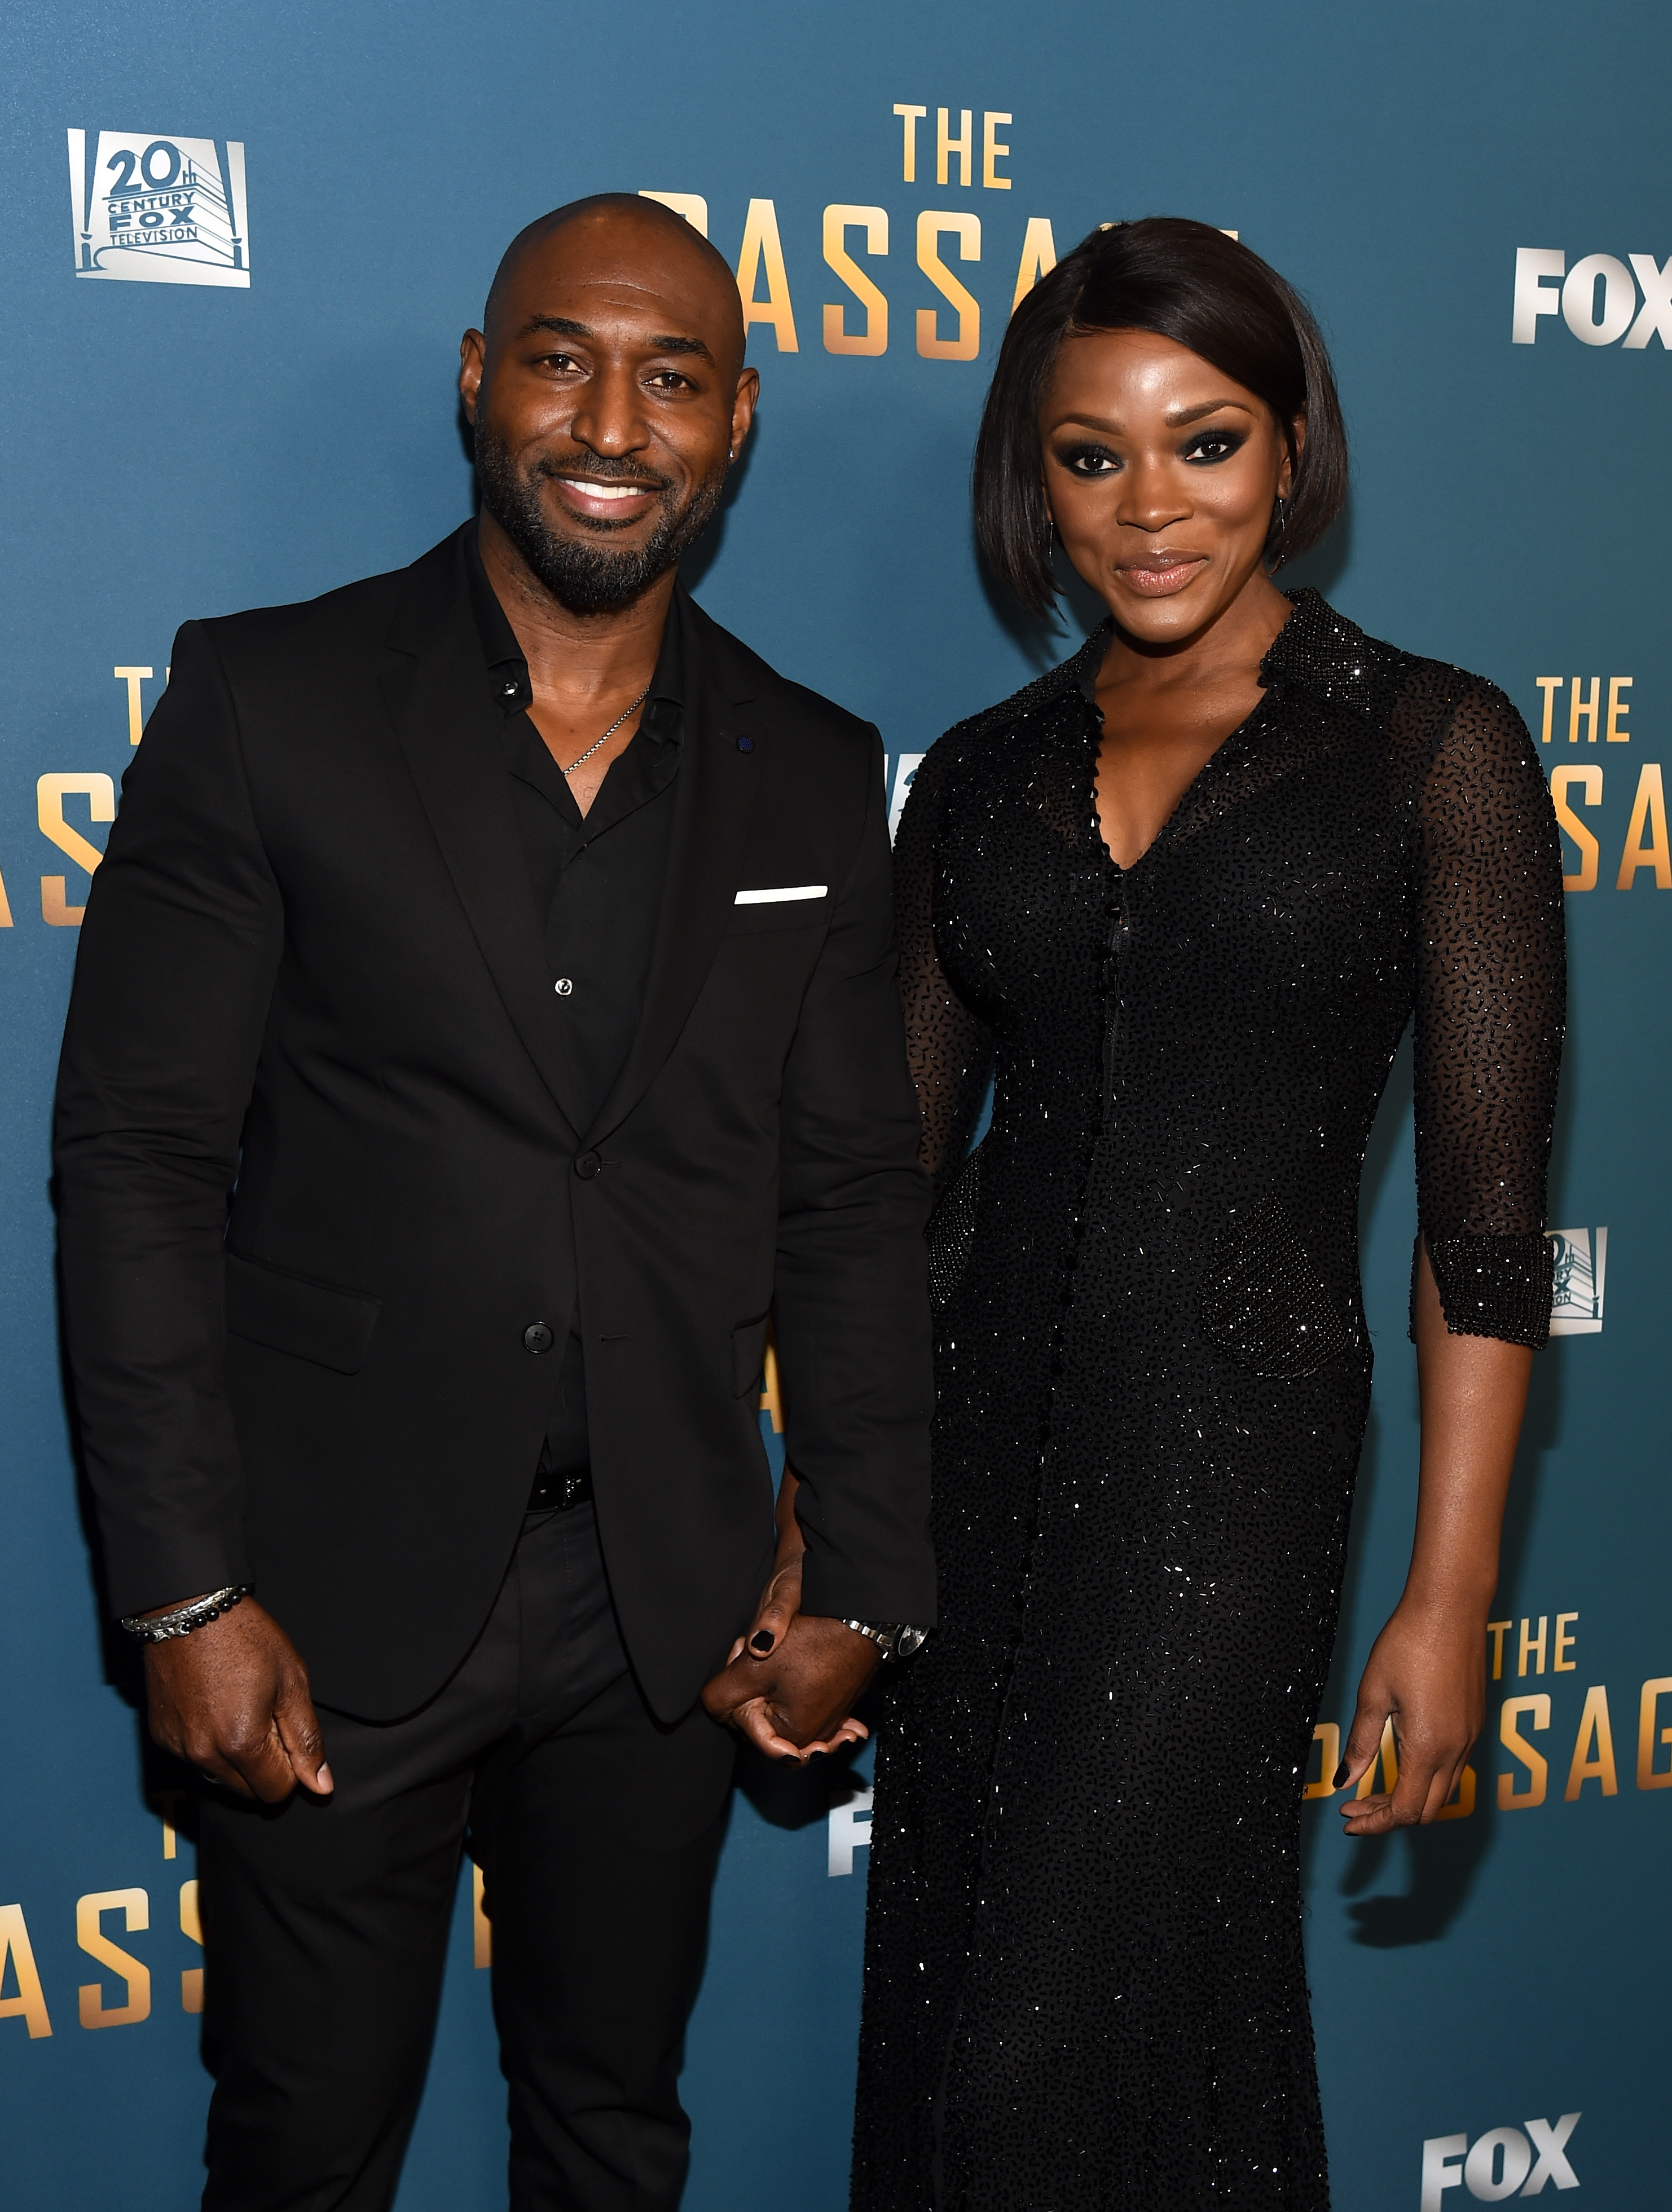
(232, 1699)
(1427, 1673)
(791, 1682)
(799, 1699)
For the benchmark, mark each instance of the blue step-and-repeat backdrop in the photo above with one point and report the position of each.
(241, 244)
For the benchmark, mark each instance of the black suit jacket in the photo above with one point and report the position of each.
(321, 1175)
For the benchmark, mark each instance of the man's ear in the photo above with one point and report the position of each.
(472, 360)
(743, 408)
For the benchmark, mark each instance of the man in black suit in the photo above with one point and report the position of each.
(485, 1025)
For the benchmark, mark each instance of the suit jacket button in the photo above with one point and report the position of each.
(587, 1166)
(536, 1337)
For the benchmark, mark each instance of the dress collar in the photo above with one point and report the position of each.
(1316, 651)
(1322, 653)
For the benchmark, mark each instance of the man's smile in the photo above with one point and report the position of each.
(604, 498)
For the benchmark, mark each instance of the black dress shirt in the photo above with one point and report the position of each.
(598, 882)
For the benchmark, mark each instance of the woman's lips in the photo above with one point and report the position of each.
(1157, 580)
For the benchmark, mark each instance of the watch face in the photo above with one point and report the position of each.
(909, 1640)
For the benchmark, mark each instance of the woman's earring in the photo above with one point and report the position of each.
(1280, 516)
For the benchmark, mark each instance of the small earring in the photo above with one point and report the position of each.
(1279, 517)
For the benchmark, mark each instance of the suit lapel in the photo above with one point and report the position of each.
(713, 808)
(451, 737)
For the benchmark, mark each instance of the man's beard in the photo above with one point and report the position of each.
(588, 578)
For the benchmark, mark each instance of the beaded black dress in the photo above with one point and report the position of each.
(1085, 1988)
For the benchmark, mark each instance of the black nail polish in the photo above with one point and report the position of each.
(762, 1640)
(1341, 1776)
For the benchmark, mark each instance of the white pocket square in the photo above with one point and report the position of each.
(781, 892)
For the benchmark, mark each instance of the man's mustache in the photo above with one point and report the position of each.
(599, 470)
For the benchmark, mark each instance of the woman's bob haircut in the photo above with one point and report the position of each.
(1187, 282)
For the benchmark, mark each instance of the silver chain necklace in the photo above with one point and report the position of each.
(610, 733)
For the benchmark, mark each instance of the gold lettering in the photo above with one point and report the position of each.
(51, 792)
(1549, 685)
(1589, 781)
(946, 146)
(1583, 710)
(912, 118)
(132, 677)
(482, 1929)
(1648, 812)
(1038, 258)
(873, 221)
(170, 1801)
(1648, 1777)
(772, 1395)
(1537, 1709)
(135, 1906)
(1565, 1640)
(1532, 1647)
(1329, 1736)
(932, 223)
(1618, 708)
(29, 2005)
(192, 1977)
(1498, 1630)
(993, 151)
(1593, 1749)
(761, 246)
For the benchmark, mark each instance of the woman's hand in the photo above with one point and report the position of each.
(1427, 1673)
(1428, 1670)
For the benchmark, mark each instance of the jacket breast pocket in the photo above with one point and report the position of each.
(749, 1354)
(288, 1313)
(756, 919)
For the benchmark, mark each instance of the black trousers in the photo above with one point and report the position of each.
(325, 1924)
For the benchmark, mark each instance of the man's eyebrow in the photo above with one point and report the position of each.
(564, 326)
(559, 325)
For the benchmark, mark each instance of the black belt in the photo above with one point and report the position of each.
(561, 1492)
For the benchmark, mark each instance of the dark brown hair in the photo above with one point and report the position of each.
(1187, 282)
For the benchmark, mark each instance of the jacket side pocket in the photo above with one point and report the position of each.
(288, 1313)
(749, 1354)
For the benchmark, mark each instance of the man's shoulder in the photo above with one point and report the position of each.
(357, 616)
(748, 675)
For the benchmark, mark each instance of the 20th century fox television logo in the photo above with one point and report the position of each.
(150, 209)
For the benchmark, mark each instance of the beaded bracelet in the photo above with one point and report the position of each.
(185, 1617)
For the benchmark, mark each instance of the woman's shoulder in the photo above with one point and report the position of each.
(1406, 694)
(1023, 710)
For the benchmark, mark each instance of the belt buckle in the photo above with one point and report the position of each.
(560, 1493)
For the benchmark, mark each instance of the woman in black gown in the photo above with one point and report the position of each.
(1181, 897)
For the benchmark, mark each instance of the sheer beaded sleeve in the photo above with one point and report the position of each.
(950, 1048)
(1490, 1002)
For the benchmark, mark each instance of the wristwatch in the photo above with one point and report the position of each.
(893, 1638)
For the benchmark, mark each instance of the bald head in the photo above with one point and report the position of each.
(623, 236)
(609, 397)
